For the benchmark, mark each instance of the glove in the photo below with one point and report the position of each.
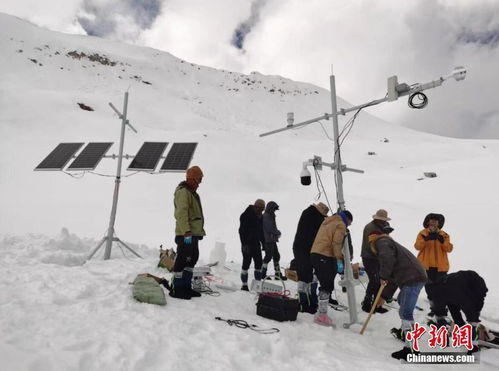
(339, 266)
(431, 236)
(188, 238)
(440, 238)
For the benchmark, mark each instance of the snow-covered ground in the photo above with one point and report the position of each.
(59, 313)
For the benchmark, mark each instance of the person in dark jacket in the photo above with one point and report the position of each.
(461, 291)
(188, 231)
(398, 267)
(308, 225)
(271, 235)
(251, 235)
(370, 260)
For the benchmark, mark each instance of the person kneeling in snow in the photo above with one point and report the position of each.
(327, 259)
(461, 291)
(398, 267)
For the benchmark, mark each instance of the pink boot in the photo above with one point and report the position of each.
(324, 320)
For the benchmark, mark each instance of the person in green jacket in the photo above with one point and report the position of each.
(188, 231)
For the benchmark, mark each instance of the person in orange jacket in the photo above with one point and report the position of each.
(433, 245)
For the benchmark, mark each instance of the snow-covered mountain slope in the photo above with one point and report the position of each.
(43, 77)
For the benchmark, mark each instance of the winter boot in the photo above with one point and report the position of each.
(244, 279)
(258, 274)
(304, 299)
(263, 274)
(403, 353)
(244, 287)
(398, 334)
(178, 288)
(407, 349)
(366, 305)
(188, 283)
(278, 273)
(380, 310)
(474, 337)
(321, 317)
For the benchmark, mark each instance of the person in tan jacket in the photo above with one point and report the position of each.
(326, 256)
(433, 245)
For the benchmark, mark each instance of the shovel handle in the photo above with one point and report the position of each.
(375, 304)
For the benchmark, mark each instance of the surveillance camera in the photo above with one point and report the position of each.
(459, 73)
(305, 177)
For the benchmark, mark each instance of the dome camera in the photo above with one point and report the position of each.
(305, 177)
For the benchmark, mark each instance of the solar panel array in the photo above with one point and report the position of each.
(179, 157)
(148, 156)
(146, 159)
(59, 157)
(89, 158)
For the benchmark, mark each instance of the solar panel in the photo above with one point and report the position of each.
(59, 157)
(89, 158)
(148, 156)
(179, 157)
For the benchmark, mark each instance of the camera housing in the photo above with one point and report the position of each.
(459, 73)
(305, 177)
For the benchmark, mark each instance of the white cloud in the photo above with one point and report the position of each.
(58, 15)
(367, 41)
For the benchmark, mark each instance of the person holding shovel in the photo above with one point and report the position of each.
(398, 267)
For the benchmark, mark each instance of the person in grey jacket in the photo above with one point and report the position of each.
(271, 235)
(398, 267)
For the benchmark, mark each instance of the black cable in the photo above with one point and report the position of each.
(206, 289)
(319, 180)
(423, 100)
(239, 323)
(75, 176)
(113, 176)
(325, 132)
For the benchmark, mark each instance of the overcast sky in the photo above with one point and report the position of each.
(366, 41)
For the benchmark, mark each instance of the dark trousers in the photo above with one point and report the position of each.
(471, 312)
(187, 254)
(252, 252)
(325, 269)
(371, 265)
(271, 252)
(434, 287)
(304, 267)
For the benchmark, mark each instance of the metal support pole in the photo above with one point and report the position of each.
(110, 231)
(348, 279)
(97, 248)
(458, 73)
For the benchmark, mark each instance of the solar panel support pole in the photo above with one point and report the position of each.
(109, 238)
(110, 230)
